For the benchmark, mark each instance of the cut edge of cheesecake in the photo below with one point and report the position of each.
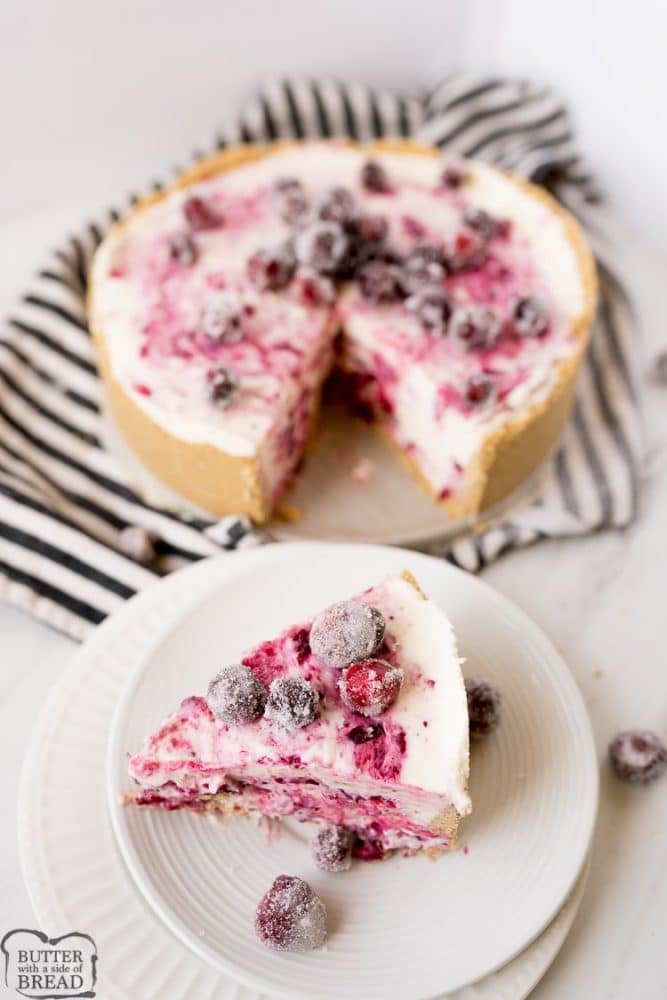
(225, 484)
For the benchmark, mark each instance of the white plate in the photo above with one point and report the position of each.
(72, 869)
(534, 788)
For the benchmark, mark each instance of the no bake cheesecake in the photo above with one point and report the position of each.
(452, 302)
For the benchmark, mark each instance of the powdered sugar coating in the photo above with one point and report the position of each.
(638, 756)
(347, 632)
(236, 696)
(332, 848)
(292, 702)
(290, 916)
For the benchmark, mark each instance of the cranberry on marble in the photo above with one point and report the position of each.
(378, 282)
(271, 268)
(221, 318)
(370, 687)
(313, 289)
(637, 756)
(484, 703)
(432, 307)
(292, 702)
(332, 848)
(138, 543)
(322, 246)
(200, 214)
(474, 327)
(530, 317)
(182, 249)
(290, 916)
(480, 390)
(375, 178)
(236, 696)
(336, 205)
(292, 201)
(424, 265)
(223, 385)
(346, 632)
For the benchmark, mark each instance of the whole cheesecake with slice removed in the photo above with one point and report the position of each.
(357, 718)
(451, 301)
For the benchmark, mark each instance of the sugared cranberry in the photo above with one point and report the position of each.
(223, 385)
(484, 703)
(364, 734)
(346, 632)
(474, 327)
(378, 282)
(182, 249)
(292, 702)
(313, 289)
(322, 246)
(432, 307)
(530, 317)
(370, 687)
(290, 916)
(453, 176)
(271, 269)
(366, 237)
(467, 251)
(336, 205)
(292, 201)
(375, 178)
(236, 696)
(480, 221)
(200, 214)
(424, 265)
(637, 756)
(221, 318)
(332, 848)
(479, 390)
(138, 543)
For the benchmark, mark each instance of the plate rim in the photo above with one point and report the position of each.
(114, 746)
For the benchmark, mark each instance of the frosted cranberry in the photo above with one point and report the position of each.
(375, 178)
(366, 237)
(322, 246)
(332, 848)
(468, 251)
(223, 385)
(378, 282)
(313, 289)
(453, 176)
(364, 734)
(138, 543)
(347, 631)
(637, 756)
(484, 703)
(271, 269)
(479, 390)
(474, 327)
(370, 687)
(424, 265)
(336, 205)
(221, 318)
(236, 696)
(182, 249)
(530, 317)
(292, 702)
(290, 916)
(292, 201)
(480, 221)
(200, 214)
(432, 307)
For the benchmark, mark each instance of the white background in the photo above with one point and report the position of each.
(97, 98)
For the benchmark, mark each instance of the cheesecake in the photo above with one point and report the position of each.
(444, 301)
(356, 719)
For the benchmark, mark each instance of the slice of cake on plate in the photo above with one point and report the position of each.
(453, 300)
(356, 719)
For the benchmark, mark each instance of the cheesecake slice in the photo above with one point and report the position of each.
(356, 718)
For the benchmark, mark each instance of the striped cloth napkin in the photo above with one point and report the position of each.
(64, 499)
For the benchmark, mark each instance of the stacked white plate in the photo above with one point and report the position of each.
(169, 897)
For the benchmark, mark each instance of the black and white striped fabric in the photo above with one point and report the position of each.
(64, 499)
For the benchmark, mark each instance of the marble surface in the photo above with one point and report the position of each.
(600, 599)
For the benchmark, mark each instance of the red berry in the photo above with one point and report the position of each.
(370, 687)
(200, 214)
(236, 696)
(221, 318)
(378, 282)
(313, 289)
(453, 176)
(292, 702)
(375, 178)
(322, 246)
(483, 707)
(637, 756)
(474, 327)
(271, 269)
(292, 201)
(182, 249)
(223, 385)
(531, 317)
(332, 848)
(290, 917)
(432, 308)
(336, 205)
(480, 390)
